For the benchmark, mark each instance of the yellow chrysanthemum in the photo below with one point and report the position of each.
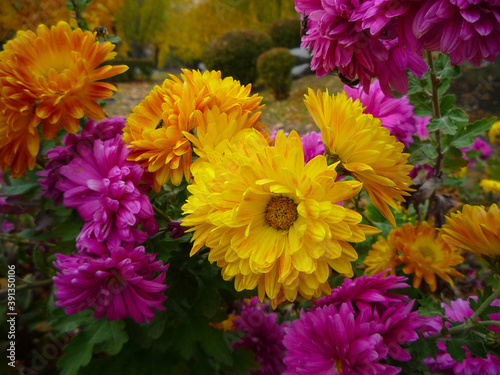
(494, 133)
(50, 78)
(155, 128)
(365, 149)
(269, 220)
(460, 173)
(490, 186)
(382, 257)
(425, 255)
(475, 230)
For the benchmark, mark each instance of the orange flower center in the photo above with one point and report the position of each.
(281, 212)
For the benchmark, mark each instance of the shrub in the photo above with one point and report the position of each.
(274, 67)
(235, 54)
(138, 69)
(285, 32)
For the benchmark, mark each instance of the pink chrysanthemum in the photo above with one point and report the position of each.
(313, 145)
(458, 311)
(104, 187)
(338, 39)
(263, 335)
(422, 123)
(395, 114)
(337, 340)
(62, 155)
(479, 145)
(464, 29)
(118, 285)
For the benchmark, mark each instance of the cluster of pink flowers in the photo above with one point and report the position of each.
(395, 114)
(355, 329)
(458, 311)
(263, 335)
(111, 272)
(382, 38)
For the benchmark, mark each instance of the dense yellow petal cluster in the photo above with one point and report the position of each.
(160, 128)
(475, 230)
(422, 253)
(490, 186)
(270, 221)
(51, 78)
(365, 149)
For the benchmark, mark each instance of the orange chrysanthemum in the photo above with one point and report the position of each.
(365, 149)
(157, 128)
(475, 230)
(50, 78)
(423, 254)
(383, 256)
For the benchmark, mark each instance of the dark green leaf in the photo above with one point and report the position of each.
(453, 160)
(444, 85)
(422, 349)
(444, 69)
(430, 307)
(452, 121)
(422, 152)
(455, 350)
(39, 262)
(465, 136)
(447, 102)
(212, 342)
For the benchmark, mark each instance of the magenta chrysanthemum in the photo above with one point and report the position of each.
(395, 114)
(62, 155)
(104, 187)
(337, 39)
(313, 145)
(464, 29)
(479, 145)
(118, 284)
(336, 340)
(263, 335)
(365, 323)
(458, 311)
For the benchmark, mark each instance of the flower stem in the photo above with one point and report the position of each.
(436, 110)
(162, 214)
(486, 304)
(26, 286)
(78, 15)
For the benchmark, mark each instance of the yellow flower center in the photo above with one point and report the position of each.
(338, 365)
(281, 212)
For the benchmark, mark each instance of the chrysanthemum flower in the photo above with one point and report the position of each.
(338, 340)
(395, 114)
(155, 128)
(337, 39)
(118, 285)
(490, 186)
(263, 335)
(465, 30)
(494, 133)
(422, 131)
(426, 255)
(313, 145)
(104, 187)
(62, 155)
(51, 78)
(479, 145)
(269, 220)
(364, 148)
(458, 311)
(383, 256)
(474, 230)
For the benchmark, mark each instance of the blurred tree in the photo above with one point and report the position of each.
(103, 13)
(28, 14)
(195, 24)
(139, 21)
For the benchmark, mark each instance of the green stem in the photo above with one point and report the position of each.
(435, 109)
(162, 214)
(78, 15)
(26, 286)
(486, 304)
(26, 242)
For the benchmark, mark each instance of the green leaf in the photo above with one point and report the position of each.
(455, 350)
(78, 352)
(465, 136)
(447, 102)
(444, 69)
(453, 160)
(430, 307)
(444, 85)
(422, 152)
(422, 103)
(422, 349)
(455, 119)
(213, 343)
(39, 262)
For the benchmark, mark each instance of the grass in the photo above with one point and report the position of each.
(285, 114)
